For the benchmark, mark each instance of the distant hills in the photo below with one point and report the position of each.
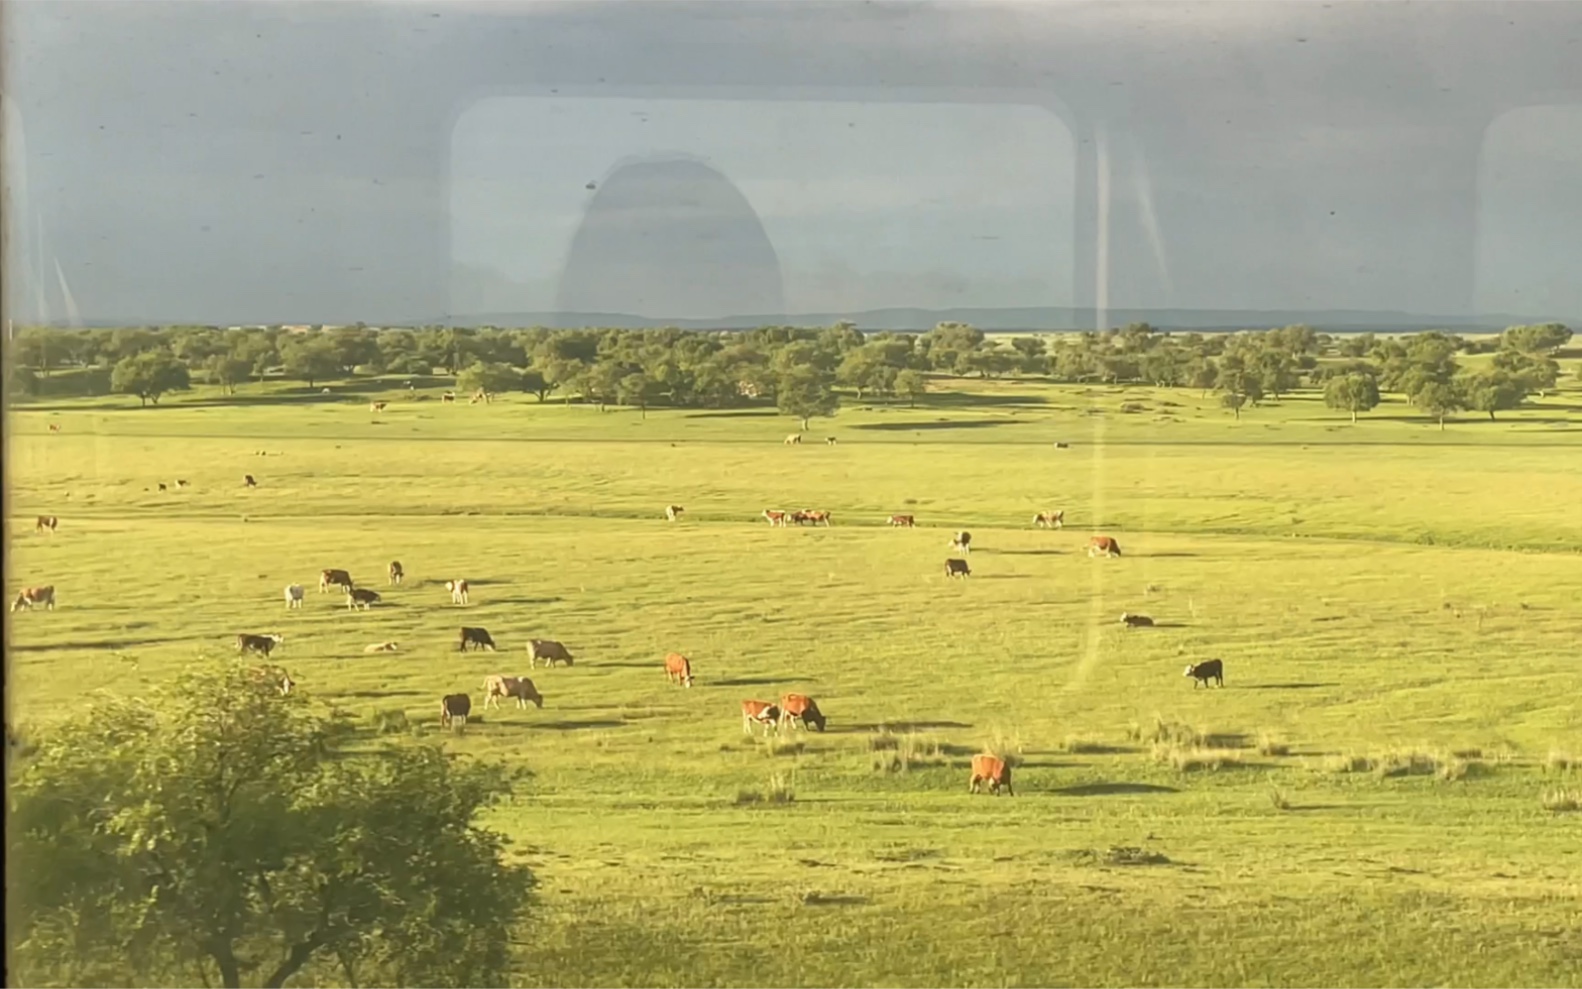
(1046, 318)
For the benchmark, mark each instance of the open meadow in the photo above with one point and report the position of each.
(1376, 796)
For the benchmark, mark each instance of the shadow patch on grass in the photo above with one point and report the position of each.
(816, 899)
(1112, 789)
(1027, 552)
(111, 644)
(1286, 686)
(907, 427)
(1171, 555)
(575, 725)
(898, 726)
(519, 601)
(751, 682)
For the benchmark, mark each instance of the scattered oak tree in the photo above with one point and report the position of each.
(148, 375)
(913, 384)
(805, 392)
(221, 834)
(1354, 393)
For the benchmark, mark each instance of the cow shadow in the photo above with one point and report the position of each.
(1112, 789)
(1287, 686)
(1002, 576)
(756, 681)
(908, 427)
(519, 601)
(1026, 552)
(902, 726)
(1165, 556)
(575, 724)
(110, 644)
(1170, 625)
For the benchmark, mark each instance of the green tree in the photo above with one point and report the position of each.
(1539, 338)
(228, 371)
(636, 389)
(1537, 372)
(23, 379)
(489, 377)
(310, 359)
(148, 375)
(219, 832)
(1031, 351)
(1439, 399)
(913, 384)
(1352, 393)
(1494, 391)
(805, 392)
(533, 382)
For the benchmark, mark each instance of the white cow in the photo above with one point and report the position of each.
(380, 647)
(496, 687)
(458, 591)
(294, 594)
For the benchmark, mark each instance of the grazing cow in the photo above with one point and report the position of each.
(247, 481)
(962, 542)
(1103, 546)
(162, 486)
(376, 406)
(673, 512)
(276, 677)
(477, 637)
(180, 483)
(817, 518)
(396, 573)
(294, 593)
(799, 517)
(1136, 621)
(1050, 520)
(548, 650)
(334, 578)
(760, 713)
(453, 706)
(32, 597)
(380, 647)
(800, 707)
(448, 397)
(829, 440)
(54, 427)
(1202, 673)
(957, 568)
(678, 669)
(775, 517)
(906, 521)
(496, 687)
(361, 597)
(1062, 446)
(46, 523)
(458, 591)
(263, 644)
(993, 771)
(795, 439)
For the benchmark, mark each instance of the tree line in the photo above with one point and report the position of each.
(804, 371)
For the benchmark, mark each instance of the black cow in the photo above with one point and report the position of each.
(258, 643)
(361, 597)
(476, 637)
(1209, 669)
(453, 706)
(957, 568)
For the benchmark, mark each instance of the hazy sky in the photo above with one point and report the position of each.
(244, 161)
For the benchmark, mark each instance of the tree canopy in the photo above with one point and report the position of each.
(222, 833)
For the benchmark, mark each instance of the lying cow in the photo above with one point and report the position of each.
(796, 708)
(1103, 546)
(331, 577)
(32, 597)
(1202, 673)
(478, 638)
(962, 542)
(381, 647)
(1136, 621)
(678, 669)
(760, 713)
(1050, 520)
(458, 591)
(294, 594)
(904, 521)
(549, 651)
(46, 523)
(396, 573)
(261, 644)
(496, 687)
(957, 568)
(361, 597)
(993, 771)
(453, 706)
(673, 512)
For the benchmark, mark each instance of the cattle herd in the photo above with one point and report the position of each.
(790, 712)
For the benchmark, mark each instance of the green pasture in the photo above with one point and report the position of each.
(1388, 598)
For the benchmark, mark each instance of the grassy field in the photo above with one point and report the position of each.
(1362, 804)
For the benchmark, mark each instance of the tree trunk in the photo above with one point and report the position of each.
(1353, 417)
(1491, 415)
(1441, 424)
(804, 424)
(230, 971)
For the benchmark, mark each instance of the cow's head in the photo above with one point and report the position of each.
(277, 637)
(1190, 670)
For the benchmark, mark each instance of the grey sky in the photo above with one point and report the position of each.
(326, 162)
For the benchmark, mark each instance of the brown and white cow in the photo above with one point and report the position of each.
(181, 483)
(46, 523)
(478, 638)
(673, 512)
(453, 706)
(775, 517)
(331, 577)
(381, 647)
(448, 397)
(397, 573)
(1103, 546)
(1136, 621)
(796, 708)
(1050, 520)
(54, 427)
(361, 597)
(1202, 673)
(261, 644)
(678, 669)
(32, 597)
(992, 770)
(458, 591)
(549, 651)
(905, 521)
(961, 542)
(496, 687)
(817, 517)
(376, 406)
(829, 441)
(294, 594)
(957, 568)
(762, 713)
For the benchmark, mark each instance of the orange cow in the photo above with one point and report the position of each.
(678, 669)
(800, 707)
(760, 713)
(1103, 546)
(993, 771)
